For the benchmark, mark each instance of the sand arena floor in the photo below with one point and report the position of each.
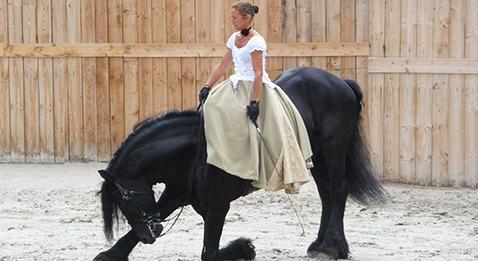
(51, 212)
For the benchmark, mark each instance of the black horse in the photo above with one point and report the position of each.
(171, 150)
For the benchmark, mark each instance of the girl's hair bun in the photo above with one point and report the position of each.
(256, 9)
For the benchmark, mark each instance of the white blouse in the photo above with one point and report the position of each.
(242, 59)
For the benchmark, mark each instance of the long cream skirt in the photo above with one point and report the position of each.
(278, 161)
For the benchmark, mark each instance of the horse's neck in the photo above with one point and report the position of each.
(159, 149)
(181, 154)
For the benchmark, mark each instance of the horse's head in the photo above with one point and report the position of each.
(158, 151)
(136, 202)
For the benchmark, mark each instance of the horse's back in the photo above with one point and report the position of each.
(322, 98)
(321, 85)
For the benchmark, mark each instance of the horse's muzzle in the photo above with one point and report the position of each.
(153, 231)
(148, 229)
(153, 223)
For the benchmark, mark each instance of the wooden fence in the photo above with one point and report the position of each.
(76, 75)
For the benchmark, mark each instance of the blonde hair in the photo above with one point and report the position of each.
(246, 8)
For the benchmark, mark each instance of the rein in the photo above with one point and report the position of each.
(191, 176)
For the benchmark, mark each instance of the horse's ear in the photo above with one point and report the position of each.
(104, 174)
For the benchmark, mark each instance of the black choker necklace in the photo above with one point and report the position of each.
(245, 32)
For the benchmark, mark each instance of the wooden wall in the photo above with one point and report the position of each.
(423, 91)
(75, 75)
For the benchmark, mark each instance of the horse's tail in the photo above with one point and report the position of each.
(363, 185)
(110, 210)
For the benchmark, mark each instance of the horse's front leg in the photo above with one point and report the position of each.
(169, 201)
(120, 251)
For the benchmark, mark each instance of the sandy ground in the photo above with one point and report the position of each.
(51, 212)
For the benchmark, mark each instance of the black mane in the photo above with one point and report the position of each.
(145, 124)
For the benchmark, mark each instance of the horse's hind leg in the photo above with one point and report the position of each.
(332, 187)
(241, 248)
(320, 178)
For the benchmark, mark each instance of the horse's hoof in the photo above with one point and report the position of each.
(324, 251)
(243, 248)
(249, 250)
(319, 255)
(103, 256)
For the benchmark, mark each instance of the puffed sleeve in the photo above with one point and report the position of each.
(257, 44)
(231, 40)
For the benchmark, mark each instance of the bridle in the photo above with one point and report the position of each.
(127, 196)
(152, 221)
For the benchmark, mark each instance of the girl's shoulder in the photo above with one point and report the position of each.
(257, 42)
(231, 40)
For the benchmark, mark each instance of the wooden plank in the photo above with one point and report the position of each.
(408, 49)
(376, 87)
(220, 19)
(347, 34)
(223, 11)
(456, 108)
(274, 31)
(173, 22)
(30, 70)
(75, 92)
(89, 81)
(440, 95)
(290, 30)
(423, 65)
(318, 9)
(203, 35)
(261, 19)
(4, 21)
(131, 99)
(145, 64)
(5, 149)
(471, 97)
(261, 25)
(179, 50)
(188, 65)
(362, 35)
(60, 89)
(318, 49)
(333, 34)
(391, 145)
(160, 73)
(304, 27)
(4, 112)
(103, 132)
(17, 106)
(424, 96)
(116, 79)
(45, 84)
